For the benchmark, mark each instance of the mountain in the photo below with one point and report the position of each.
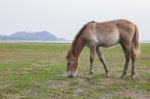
(32, 36)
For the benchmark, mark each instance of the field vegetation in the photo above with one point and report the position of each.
(38, 71)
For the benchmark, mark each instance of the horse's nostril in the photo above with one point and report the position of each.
(70, 75)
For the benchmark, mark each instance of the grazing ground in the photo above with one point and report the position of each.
(37, 71)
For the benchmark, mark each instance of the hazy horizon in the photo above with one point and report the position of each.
(65, 18)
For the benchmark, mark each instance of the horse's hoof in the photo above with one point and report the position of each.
(107, 75)
(91, 72)
(89, 76)
(133, 77)
(122, 76)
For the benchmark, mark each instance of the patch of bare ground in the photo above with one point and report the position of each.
(57, 84)
(11, 96)
(127, 93)
(109, 81)
(81, 80)
(6, 84)
(36, 65)
(77, 92)
(143, 70)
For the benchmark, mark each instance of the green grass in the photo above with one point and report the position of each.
(37, 71)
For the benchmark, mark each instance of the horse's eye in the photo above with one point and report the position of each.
(68, 64)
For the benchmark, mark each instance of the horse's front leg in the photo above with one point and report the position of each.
(102, 59)
(92, 55)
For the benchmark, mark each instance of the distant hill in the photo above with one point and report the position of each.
(32, 36)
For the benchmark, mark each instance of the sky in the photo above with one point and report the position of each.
(64, 18)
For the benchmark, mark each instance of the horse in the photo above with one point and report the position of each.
(96, 35)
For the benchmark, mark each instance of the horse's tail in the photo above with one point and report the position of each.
(136, 43)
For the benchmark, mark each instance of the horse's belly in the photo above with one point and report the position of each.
(108, 43)
(109, 40)
(106, 40)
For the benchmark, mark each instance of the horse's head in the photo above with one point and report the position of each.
(72, 64)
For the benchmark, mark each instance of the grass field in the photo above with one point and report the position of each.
(37, 71)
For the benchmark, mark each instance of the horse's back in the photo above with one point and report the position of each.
(103, 34)
(107, 34)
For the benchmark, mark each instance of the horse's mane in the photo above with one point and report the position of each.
(79, 34)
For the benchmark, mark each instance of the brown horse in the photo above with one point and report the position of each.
(104, 34)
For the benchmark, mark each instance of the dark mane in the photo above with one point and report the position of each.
(79, 34)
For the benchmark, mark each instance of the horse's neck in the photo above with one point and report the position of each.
(77, 47)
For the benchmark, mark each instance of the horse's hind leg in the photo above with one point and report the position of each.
(127, 52)
(101, 58)
(133, 67)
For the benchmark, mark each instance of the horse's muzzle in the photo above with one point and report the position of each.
(70, 74)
